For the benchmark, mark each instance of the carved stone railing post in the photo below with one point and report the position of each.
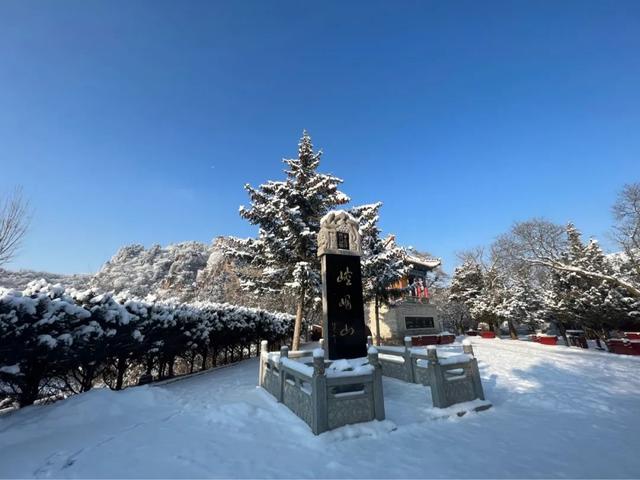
(408, 361)
(284, 353)
(432, 354)
(467, 347)
(378, 396)
(444, 393)
(436, 377)
(319, 394)
(264, 357)
(477, 383)
(369, 341)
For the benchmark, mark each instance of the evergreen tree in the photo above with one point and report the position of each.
(467, 287)
(383, 262)
(592, 302)
(455, 315)
(521, 303)
(288, 213)
(480, 289)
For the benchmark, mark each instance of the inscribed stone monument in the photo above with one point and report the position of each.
(339, 246)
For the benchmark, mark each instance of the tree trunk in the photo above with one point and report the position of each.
(512, 330)
(149, 366)
(204, 358)
(495, 326)
(29, 393)
(598, 344)
(298, 325)
(30, 386)
(87, 379)
(121, 368)
(377, 307)
(601, 335)
(172, 362)
(563, 332)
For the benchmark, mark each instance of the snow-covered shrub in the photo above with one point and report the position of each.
(48, 334)
(104, 343)
(173, 330)
(36, 337)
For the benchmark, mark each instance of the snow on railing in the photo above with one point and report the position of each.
(323, 392)
(438, 371)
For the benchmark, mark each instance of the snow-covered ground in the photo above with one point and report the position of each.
(557, 412)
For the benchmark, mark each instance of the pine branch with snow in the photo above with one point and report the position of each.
(283, 258)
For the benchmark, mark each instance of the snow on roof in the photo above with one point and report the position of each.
(429, 262)
(415, 258)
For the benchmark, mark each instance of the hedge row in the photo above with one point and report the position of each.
(53, 341)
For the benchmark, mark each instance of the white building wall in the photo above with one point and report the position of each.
(392, 320)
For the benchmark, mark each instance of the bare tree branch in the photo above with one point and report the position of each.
(539, 242)
(626, 231)
(557, 265)
(14, 223)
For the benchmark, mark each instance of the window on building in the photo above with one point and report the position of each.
(418, 322)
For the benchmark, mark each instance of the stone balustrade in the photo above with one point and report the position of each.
(324, 394)
(452, 379)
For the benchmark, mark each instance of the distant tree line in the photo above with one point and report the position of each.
(543, 273)
(54, 342)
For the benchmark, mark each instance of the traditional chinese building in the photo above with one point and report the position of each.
(412, 312)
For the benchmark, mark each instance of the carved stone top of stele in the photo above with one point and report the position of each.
(339, 234)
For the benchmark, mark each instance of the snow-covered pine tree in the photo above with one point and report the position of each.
(383, 262)
(520, 302)
(467, 285)
(455, 315)
(593, 301)
(288, 213)
(478, 287)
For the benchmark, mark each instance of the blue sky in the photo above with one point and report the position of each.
(140, 122)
